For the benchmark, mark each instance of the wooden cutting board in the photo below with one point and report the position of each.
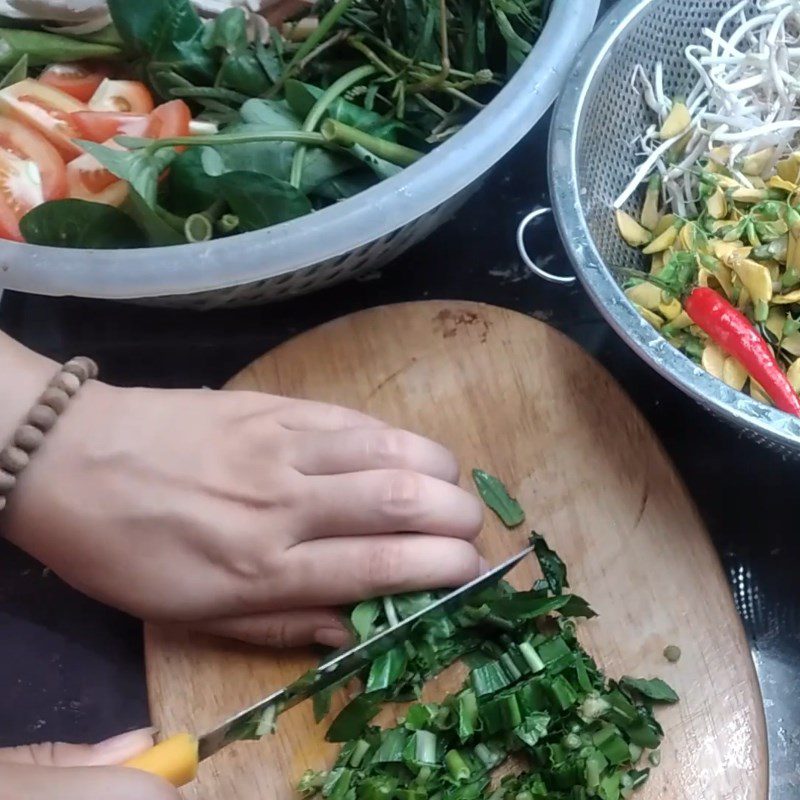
(514, 397)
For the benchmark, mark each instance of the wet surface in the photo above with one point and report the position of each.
(72, 669)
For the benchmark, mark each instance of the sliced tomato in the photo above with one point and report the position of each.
(46, 110)
(27, 145)
(130, 97)
(20, 191)
(99, 126)
(88, 179)
(77, 80)
(169, 120)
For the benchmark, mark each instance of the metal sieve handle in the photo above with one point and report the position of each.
(564, 280)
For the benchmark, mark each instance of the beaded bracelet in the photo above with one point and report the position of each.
(29, 436)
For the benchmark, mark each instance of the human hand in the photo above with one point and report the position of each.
(81, 772)
(241, 514)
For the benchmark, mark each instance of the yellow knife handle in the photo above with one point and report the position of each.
(175, 759)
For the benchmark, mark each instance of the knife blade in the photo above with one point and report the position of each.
(258, 719)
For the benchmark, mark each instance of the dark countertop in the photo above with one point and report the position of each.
(72, 669)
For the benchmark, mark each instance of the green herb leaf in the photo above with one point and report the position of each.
(494, 493)
(17, 73)
(363, 617)
(78, 223)
(140, 168)
(260, 200)
(654, 689)
(353, 718)
(553, 568)
(157, 231)
(386, 670)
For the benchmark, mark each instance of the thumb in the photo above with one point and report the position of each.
(116, 750)
(76, 772)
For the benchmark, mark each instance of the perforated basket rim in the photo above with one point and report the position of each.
(330, 232)
(594, 274)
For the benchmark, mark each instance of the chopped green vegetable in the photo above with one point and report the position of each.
(531, 691)
(655, 689)
(494, 493)
(553, 568)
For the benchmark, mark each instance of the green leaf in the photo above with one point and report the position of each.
(534, 727)
(165, 34)
(654, 689)
(260, 200)
(363, 617)
(275, 158)
(386, 670)
(17, 73)
(190, 188)
(78, 223)
(553, 568)
(321, 702)
(140, 168)
(353, 718)
(158, 232)
(496, 496)
(527, 605)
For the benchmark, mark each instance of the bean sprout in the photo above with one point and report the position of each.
(746, 95)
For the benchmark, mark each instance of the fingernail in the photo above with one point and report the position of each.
(483, 566)
(124, 746)
(331, 637)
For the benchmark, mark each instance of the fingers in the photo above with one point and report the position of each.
(77, 772)
(307, 415)
(387, 501)
(282, 628)
(346, 570)
(357, 449)
(82, 783)
(59, 754)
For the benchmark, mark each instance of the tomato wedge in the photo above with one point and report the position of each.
(169, 120)
(130, 97)
(88, 179)
(20, 191)
(46, 110)
(99, 126)
(20, 142)
(77, 80)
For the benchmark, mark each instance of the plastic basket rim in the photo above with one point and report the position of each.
(331, 232)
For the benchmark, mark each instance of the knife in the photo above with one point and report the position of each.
(176, 759)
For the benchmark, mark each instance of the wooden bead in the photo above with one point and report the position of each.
(13, 459)
(28, 438)
(78, 368)
(7, 482)
(43, 417)
(67, 382)
(57, 399)
(83, 367)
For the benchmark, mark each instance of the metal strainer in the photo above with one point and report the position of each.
(592, 158)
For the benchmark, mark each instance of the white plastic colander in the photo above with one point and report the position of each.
(330, 245)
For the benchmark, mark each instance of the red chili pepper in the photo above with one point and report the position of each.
(735, 334)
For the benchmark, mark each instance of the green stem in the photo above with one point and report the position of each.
(485, 75)
(337, 132)
(222, 139)
(322, 30)
(372, 56)
(324, 102)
